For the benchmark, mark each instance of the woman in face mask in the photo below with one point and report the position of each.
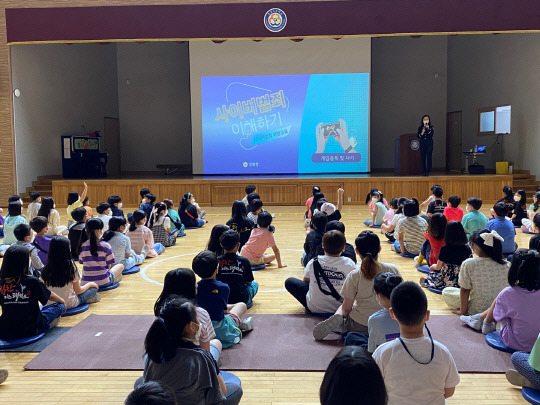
(425, 134)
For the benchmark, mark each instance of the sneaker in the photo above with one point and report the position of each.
(246, 325)
(94, 299)
(3, 375)
(473, 321)
(393, 248)
(145, 249)
(322, 329)
(517, 379)
(488, 327)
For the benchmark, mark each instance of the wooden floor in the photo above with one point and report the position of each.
(137, 295)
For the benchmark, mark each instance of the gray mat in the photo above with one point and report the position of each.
(41, 344)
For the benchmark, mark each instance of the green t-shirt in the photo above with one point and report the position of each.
(473, 221)
(534, 358)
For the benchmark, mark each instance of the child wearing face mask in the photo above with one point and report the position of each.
(473, 220)
(105, 214)
(520, 208)
(379, 210)
(115, 202)
(121, 244)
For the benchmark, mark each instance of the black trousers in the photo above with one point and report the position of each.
(426, 150)
(298, 289)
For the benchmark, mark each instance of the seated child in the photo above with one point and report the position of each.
(309, 201)
(519, 212)
(13, 218)
(528, 225)
(249, 189)
(437, 204)
(152, 392)
(121, 244)
(323, 277)
(213, 296)
(240, 223)
(534, 242)
(398, 214)
(512, 307)
(148, 204)
(105, 214)
(115, 202)
(427, 201)
(378, 211)
(445, 273)
(413, 357)
(176, 222)
(62, 277)
(214, 244)
(504, 228)
(77, 233)
(527, 372)
(20, 296)
(434, 240)
(201, 213)
(313, 243)
(140, 235)
(34, 206)
(74, 201)
(474, 220)
(2, 222)
(410, 230)
(255, 208)
(454, 211)
(349, 249)
(142, 193)
(86, 205)
(188, 212)
(235, 271)
(24, 235)
(262, 238)
(48, 211)
(15, 198)
(41, 242)
(508, 200)
(359, 301)
(160, 225)
(481, 278)
(353, 377)
(97, 258)
(387, 219)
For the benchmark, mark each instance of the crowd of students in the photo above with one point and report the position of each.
(380, 316)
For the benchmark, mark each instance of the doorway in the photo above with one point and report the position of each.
(453, 142)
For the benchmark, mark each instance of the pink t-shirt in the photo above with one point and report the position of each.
(453, 214)
(387, 219)
(517, 307)
(308, 205)
(259, 241)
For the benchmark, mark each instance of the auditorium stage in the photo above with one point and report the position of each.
(282, 189)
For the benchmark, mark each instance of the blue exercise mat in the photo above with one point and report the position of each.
(319, 314)
(12, 344)
(41, 344)
(230, 378)
(110, 287)
(531, 395)
(493, 339)
(249, 305)
(423, 269)
(258, 267)
(179, 235)
(376, 226)
(76, 310)
(408, 255)
(434, 290)
(133, 270)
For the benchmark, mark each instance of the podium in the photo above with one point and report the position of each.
(407, 156)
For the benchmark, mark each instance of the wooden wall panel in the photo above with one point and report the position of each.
(280, 193)
(225, 194)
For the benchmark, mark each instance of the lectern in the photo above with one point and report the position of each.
(407, 149)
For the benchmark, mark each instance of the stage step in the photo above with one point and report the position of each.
(523, 180)
(42, 185)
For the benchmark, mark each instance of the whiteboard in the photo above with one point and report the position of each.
(502, 119)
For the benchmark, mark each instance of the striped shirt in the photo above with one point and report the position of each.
(141, 236)
(413, 229)
(207, 330)
(96, 269)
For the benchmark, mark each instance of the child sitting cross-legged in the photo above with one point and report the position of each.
(474, 219)
(434, 240)
(313, 243)
(41, 242)
(416, 369)
(160, 225)
(410, 230)
(140, 235)
(24, 235)
(213, 295)
(262, 238)
(453, 212)
(504, 228)
(77, 234)
(235, 270)
(121, 244)
(105, 214)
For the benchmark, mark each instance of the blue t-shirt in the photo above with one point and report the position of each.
(506, 229)
(212, 295)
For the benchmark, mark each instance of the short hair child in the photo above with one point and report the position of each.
(454, 201)
(500, 209)
(21, 231)
(115, 202)
(151, 392)
(333, 242)
(102, 207)
(78, 214)
(250, 189)
(260, 239)
(253, 196)
(143, 192)
(505, 229)
(313, 243)
(475, 203)
(39, 225)
(34, 195)
(437, 191)
(15, 198)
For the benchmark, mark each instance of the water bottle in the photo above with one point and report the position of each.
(476, 148)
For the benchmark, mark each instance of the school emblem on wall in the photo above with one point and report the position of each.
(275, 20)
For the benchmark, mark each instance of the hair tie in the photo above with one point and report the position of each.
(489, 238)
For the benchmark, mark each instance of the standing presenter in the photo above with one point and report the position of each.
(425, 134)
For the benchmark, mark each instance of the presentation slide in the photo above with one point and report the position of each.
(316, 123)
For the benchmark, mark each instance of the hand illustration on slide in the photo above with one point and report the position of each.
(321, 140)
(338, 131)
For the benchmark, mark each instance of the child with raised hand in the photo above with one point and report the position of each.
(75, 201)
(213, 295)
(528, 225)
(474, 220)
(504, 228)
(410, 230)
(214, 244)
(352, 378)
(140, 235)
(359, 301)
(20, 296)
(34, 206)
(445, 273)
(519, 212)
(97, 257)
(181, 283)
(41, 242)
(77, 233)
(121, 244)
(13, 218)
(378, 212)
(262, 238)
(160, 225)
(313, 242)
(188, 212)
(513, 307)
(176, 222)
(172, 358)
(453, 212)
(249, 189)
(481, 278)
(240, 223)
(434, 240)
(62, 277)
(235, 271)
(105, 214)
(416, 369)
(48, 211)
(115, 202)
(24, 235)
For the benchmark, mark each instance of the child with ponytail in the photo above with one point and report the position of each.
(140, 235)
(121, 244)
(160, 225)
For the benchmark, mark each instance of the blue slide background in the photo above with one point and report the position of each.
(281, 137)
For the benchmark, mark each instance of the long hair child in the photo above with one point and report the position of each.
(62, 277)
(97, 257)
(520, 208)
(20, 296)
(434, 239)
(48, 211)
(160, 225)
(398, 214)
(240, 223)
(13, 218)
(140, 235)
(169, 345)
(176, 222)
(121, 244)
(188, 212)
(75, 201)
(508, 200)
(527, 223)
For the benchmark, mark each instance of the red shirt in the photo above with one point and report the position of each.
(453, 214)
(436, 246)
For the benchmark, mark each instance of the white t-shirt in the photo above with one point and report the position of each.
(336, 269)
(105, 218)
(164, 220)
(411, 383)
